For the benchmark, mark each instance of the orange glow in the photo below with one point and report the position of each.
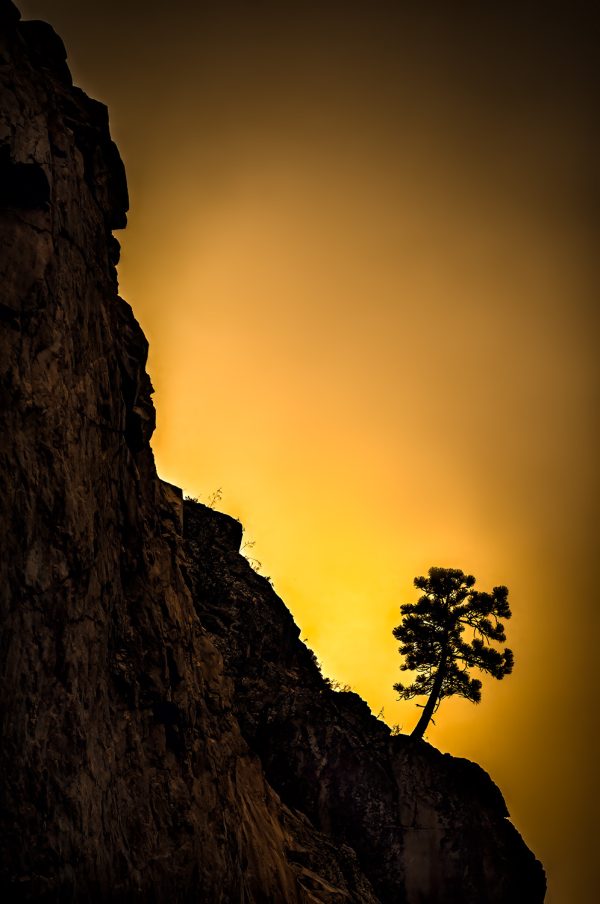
(361, 250)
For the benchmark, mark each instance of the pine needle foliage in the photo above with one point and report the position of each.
(433, 642)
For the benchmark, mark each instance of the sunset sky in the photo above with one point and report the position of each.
(362, 245)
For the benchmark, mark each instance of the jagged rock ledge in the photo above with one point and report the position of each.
(165, 734)
(426, 826)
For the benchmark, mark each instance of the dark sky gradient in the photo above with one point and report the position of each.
(363, 244)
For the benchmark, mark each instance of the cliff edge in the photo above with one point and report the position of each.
(165, 734)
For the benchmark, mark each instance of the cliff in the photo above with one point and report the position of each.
(165, 735)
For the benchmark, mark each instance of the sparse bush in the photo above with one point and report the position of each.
(214, 498)
(254, 563)
(337, 686)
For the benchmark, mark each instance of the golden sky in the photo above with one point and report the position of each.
(362, 246)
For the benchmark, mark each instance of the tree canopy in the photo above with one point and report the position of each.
(433, 642)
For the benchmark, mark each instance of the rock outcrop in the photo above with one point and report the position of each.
(426, 826)
(165, 735)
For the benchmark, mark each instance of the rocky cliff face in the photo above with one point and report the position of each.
(426, 827)
(165, 735)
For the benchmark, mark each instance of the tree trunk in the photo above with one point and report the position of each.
(429, 708)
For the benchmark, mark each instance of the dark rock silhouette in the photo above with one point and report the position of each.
(425, 826)
(165, 735)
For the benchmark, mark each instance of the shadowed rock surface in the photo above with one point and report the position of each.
(427, 827)
(165, 736)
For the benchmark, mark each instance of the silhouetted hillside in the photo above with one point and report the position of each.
(165, 734)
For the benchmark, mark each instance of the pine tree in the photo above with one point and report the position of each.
(432, 642)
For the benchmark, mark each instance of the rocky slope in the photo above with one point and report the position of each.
(426, 826)
(164, 733)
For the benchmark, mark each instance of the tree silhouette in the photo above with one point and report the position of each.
(432, 642)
